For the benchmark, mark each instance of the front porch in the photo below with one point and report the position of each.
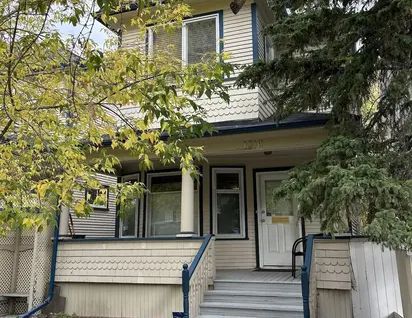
(232, 199)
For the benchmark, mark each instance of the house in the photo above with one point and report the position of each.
(247, 158)
(132, 267)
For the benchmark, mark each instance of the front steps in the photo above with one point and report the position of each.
(252, 296)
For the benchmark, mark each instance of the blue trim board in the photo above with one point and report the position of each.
(221, 35)
(255, 43)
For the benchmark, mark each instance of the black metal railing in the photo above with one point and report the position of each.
(295, 252)
(187, 274)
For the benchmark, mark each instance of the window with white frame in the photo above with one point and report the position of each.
(228, 199)
(196, 39)
(129, 219)
(163, 204)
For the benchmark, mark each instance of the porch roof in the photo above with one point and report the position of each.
(297, 120)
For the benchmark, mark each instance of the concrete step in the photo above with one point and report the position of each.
(253, 297)
(250, 310)
(226, 284)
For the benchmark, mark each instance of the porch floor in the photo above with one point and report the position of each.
(256, 276)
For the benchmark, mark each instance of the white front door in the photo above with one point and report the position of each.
(278, 224)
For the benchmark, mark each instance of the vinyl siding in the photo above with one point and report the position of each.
(101, 223)
(124, 261)
(238, 44)
(241, 254)
(121, 300)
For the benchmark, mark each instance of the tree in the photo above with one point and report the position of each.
(63, 111)
(354, 58)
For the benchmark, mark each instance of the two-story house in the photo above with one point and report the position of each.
(247, 157)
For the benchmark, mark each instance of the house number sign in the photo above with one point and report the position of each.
(253, 144)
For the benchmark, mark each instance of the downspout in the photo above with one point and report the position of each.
(50, 293)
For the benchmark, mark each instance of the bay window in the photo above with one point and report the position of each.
(228, 202)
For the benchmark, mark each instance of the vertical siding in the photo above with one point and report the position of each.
(404, 261)
(121, 300)
(377, 291)
(334, 304)
(101, 223)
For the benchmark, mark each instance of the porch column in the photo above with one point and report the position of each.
(64, 220)
(187, 227)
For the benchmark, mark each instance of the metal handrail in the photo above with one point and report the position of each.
(187, 274)
(305, 275)
(295, 253)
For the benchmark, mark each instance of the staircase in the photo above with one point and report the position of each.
(253, 294)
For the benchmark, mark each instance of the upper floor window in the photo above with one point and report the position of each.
(197, 38)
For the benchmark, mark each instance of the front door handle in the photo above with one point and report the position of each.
(263, 216)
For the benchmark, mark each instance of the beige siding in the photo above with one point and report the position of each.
(242, 253)
(101, 223)
(333, 264)
(312, 227)
(334, 304)
(133, 38)
(237, 35)
(125, 261)
(332, 267)
(121, 300)
(238, 43)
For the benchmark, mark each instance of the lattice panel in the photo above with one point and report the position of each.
(6, 265)
(3, 307)
(21, 307)
(42, 259)
(23, 279)
(33, 268)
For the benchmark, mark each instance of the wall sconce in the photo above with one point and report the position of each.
(236, 5)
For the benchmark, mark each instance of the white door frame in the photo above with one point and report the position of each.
(279, 175)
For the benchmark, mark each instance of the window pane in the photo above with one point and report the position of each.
(166, 183)
(165, 213)
(169, 42)
(129, 220)
(282, 207)
(165, 205)
(228, 213)
(227, 181)
(201, 39)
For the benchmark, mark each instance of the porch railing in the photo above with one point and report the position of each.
(305, 275)
(197, 278)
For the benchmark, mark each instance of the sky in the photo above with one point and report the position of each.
(99, 32)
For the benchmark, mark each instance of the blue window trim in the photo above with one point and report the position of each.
(254, 33)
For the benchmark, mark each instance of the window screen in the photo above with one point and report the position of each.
(168, 42)
(201, 39)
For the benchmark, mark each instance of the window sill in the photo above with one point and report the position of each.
(232, 238)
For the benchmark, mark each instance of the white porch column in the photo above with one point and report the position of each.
(187, 226)
(64, 220)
